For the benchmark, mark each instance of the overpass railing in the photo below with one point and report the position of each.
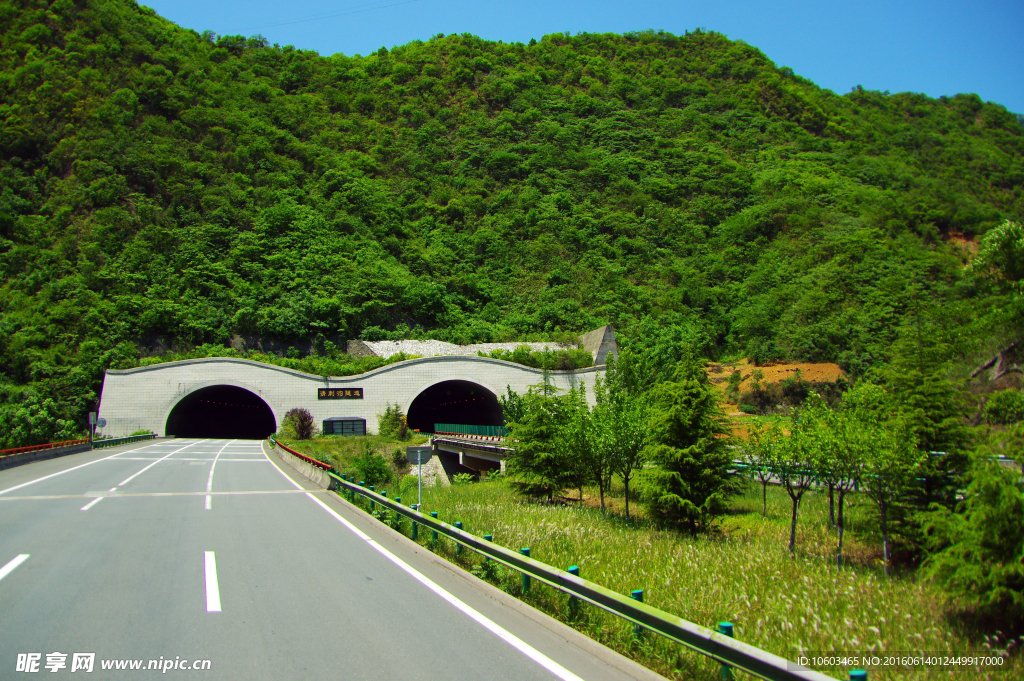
(36, 448)
(466, 430)
(716, 645)
(115, 441)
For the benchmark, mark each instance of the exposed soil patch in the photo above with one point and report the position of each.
(812, 373)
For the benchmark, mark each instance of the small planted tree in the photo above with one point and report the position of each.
(836, 449)
(791, 459)
(759, 452)
(890, 470)
(579, 439)
(621, 421)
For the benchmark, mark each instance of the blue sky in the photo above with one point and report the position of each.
(936, 47)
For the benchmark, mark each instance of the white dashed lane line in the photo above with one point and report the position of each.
(209, 480)
(212, 588)
(92, 503)
(9, 568)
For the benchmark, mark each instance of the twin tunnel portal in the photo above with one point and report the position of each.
(229, 412)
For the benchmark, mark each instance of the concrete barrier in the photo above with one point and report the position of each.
(41, 455)
(317, 476)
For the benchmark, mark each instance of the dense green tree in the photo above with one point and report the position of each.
(692, 478)
(978, 550)
(539, 467)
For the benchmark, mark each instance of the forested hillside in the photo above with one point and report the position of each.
(165, 187)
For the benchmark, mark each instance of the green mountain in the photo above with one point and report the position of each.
(166, 189)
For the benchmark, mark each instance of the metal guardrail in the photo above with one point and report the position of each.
(713, 644)
(115, 441)
(307, 459)
(36, 448)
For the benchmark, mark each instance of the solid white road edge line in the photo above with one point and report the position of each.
(122, 484)
(52, 475)
(212, 588)
(209, 480)
(92, 503)
(9, 568)
(499, 631)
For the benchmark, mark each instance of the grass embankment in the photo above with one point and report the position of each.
(341, 452)
(743, 574)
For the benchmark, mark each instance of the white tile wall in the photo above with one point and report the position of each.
(136, 399)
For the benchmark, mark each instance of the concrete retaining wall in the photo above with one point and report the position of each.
(313, 473)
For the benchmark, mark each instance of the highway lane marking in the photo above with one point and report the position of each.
(212, 588)
(53, 475)
(130, 478)
(9, 568)
(209, 480)
(92, 503)
(496, 629)
(104, 495)
(182, 458)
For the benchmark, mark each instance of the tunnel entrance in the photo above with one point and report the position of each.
(460, 402)
(222, 412)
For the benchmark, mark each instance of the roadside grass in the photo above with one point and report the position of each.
(341, 452)
(742, 574)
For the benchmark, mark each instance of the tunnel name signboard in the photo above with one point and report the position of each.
(339, 393)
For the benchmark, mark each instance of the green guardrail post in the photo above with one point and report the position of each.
(858, 675)
(458, 545)
(488, 537)
(398, 500)
(373, 504)
(415, 525)
(433, 533)
(726, 629)
(526, 578)
(637, 595)
(574, 603)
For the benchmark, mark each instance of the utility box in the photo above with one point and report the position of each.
(344, 425)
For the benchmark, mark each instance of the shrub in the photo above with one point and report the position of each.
(372, 467)
(298, 424)
(392, 423)
(1005, 407)
(462, 478)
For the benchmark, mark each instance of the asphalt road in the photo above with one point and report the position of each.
(186, 551)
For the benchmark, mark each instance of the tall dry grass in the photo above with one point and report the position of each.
(743, 574)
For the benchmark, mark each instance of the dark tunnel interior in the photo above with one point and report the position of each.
(222, 412)
(461, 402)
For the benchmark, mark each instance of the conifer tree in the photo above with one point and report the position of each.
(688, 441)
